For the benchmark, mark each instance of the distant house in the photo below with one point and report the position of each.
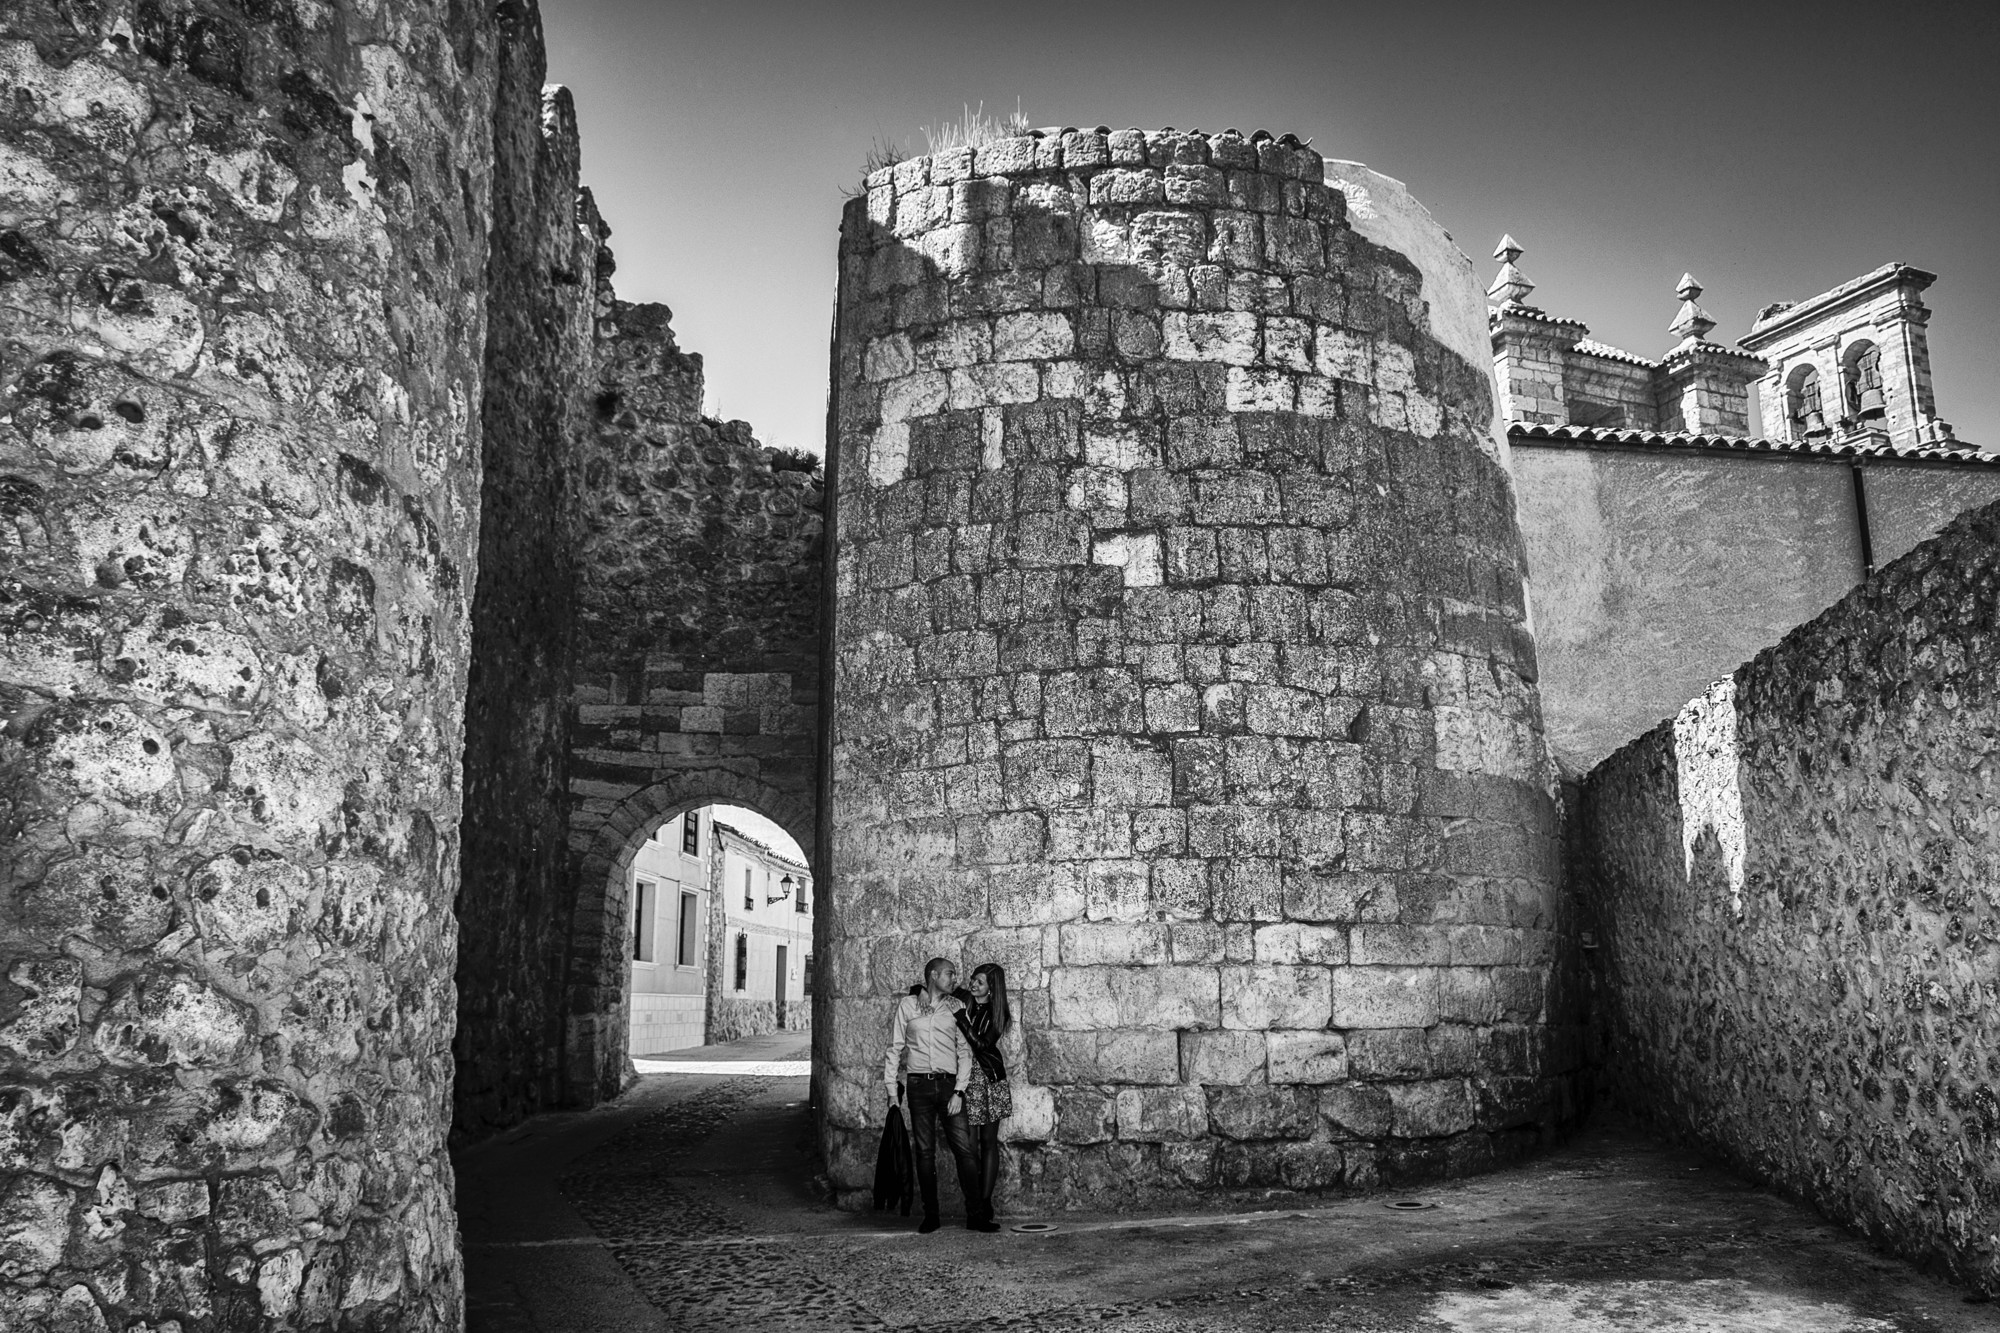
(761, 969)
(670, 935)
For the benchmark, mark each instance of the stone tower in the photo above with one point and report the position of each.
(1180, 666)
(239, 471)
(1853, 361)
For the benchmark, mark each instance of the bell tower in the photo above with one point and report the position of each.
(1851, 364)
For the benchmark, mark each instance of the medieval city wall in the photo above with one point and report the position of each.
(547, 275)
(1180, 667)
(698, 650)
(1792, 886)
(239, 473)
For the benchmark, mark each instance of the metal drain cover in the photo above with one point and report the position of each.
(1034, 1228)
(1407, 1205)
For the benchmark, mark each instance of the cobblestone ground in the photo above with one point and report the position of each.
(702, 1198)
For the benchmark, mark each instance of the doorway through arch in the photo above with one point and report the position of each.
(719, 904)
(602, 939)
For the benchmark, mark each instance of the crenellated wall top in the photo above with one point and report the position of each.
(1181, 154)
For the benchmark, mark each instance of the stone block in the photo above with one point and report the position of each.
(1119, 186)
(1047, 774)
(1033, 336)
(1305, 1057)
(1084, 1115)
(1292, 942)
(1225, 1057)
(1125, 773)
(1466, 995)
(1035, 894)
(1034, 1118)
(1263, 996)
(1116, 890)
(1091, 945)
(1001, 839)
(1085, 835)
(1262, 1112)
(1454, 1049)
(1195, 942)
(1116, 1055)
(1162, 1115)
(1339, 896)
(1400, 945)
(1168, 997)
(1385, 997)
(1017, 949)
(1245, 889)
(1510, 1103)
(1358, 1109)
(1180, 889)
(1160, 832)
(1240, 832)
(1431, 1110)
(1389, 1053)
(1229, 338)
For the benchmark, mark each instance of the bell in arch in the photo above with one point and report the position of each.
(1868, 384)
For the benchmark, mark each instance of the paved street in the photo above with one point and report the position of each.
(687, 1205)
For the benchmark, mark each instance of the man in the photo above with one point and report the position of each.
(940, 1065)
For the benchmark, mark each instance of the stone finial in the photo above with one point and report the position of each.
(1511, 287)
(1692, 323)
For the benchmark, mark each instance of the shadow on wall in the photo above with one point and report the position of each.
(1793, 885)
(1180, 668)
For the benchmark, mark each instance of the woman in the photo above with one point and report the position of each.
(987, 1024)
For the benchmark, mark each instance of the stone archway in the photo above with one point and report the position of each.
(595, 988)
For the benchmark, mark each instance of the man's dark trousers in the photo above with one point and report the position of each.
(929, 1095)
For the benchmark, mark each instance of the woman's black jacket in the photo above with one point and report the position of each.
(980, 1034)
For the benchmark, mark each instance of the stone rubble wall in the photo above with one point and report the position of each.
(753, 1018)
(698, 650)
(1180, 667)
(547, 275)
(1792, 887)
(241, 260)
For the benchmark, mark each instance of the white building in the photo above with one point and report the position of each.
(763, 965)
(670, 935)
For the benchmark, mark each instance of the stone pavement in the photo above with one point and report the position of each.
(688, 1205)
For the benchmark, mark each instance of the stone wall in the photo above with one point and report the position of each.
(1180, 668)
(1609, 391)
(698, 649)
(752, 1018)
(239, 456)
(546, 272)
(1792, 886)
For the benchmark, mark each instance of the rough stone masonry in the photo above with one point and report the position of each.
(241, 259)
(1793, 885)
(1180, 667)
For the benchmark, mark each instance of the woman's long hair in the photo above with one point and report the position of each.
(996, 996)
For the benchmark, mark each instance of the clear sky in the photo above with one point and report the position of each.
(747, 821)
(1773, 150)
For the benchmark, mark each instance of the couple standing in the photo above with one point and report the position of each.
(949, 1041)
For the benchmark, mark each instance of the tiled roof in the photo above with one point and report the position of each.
(1965, 453)
(1591, 347)
(1494, 314)
(759, 844)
